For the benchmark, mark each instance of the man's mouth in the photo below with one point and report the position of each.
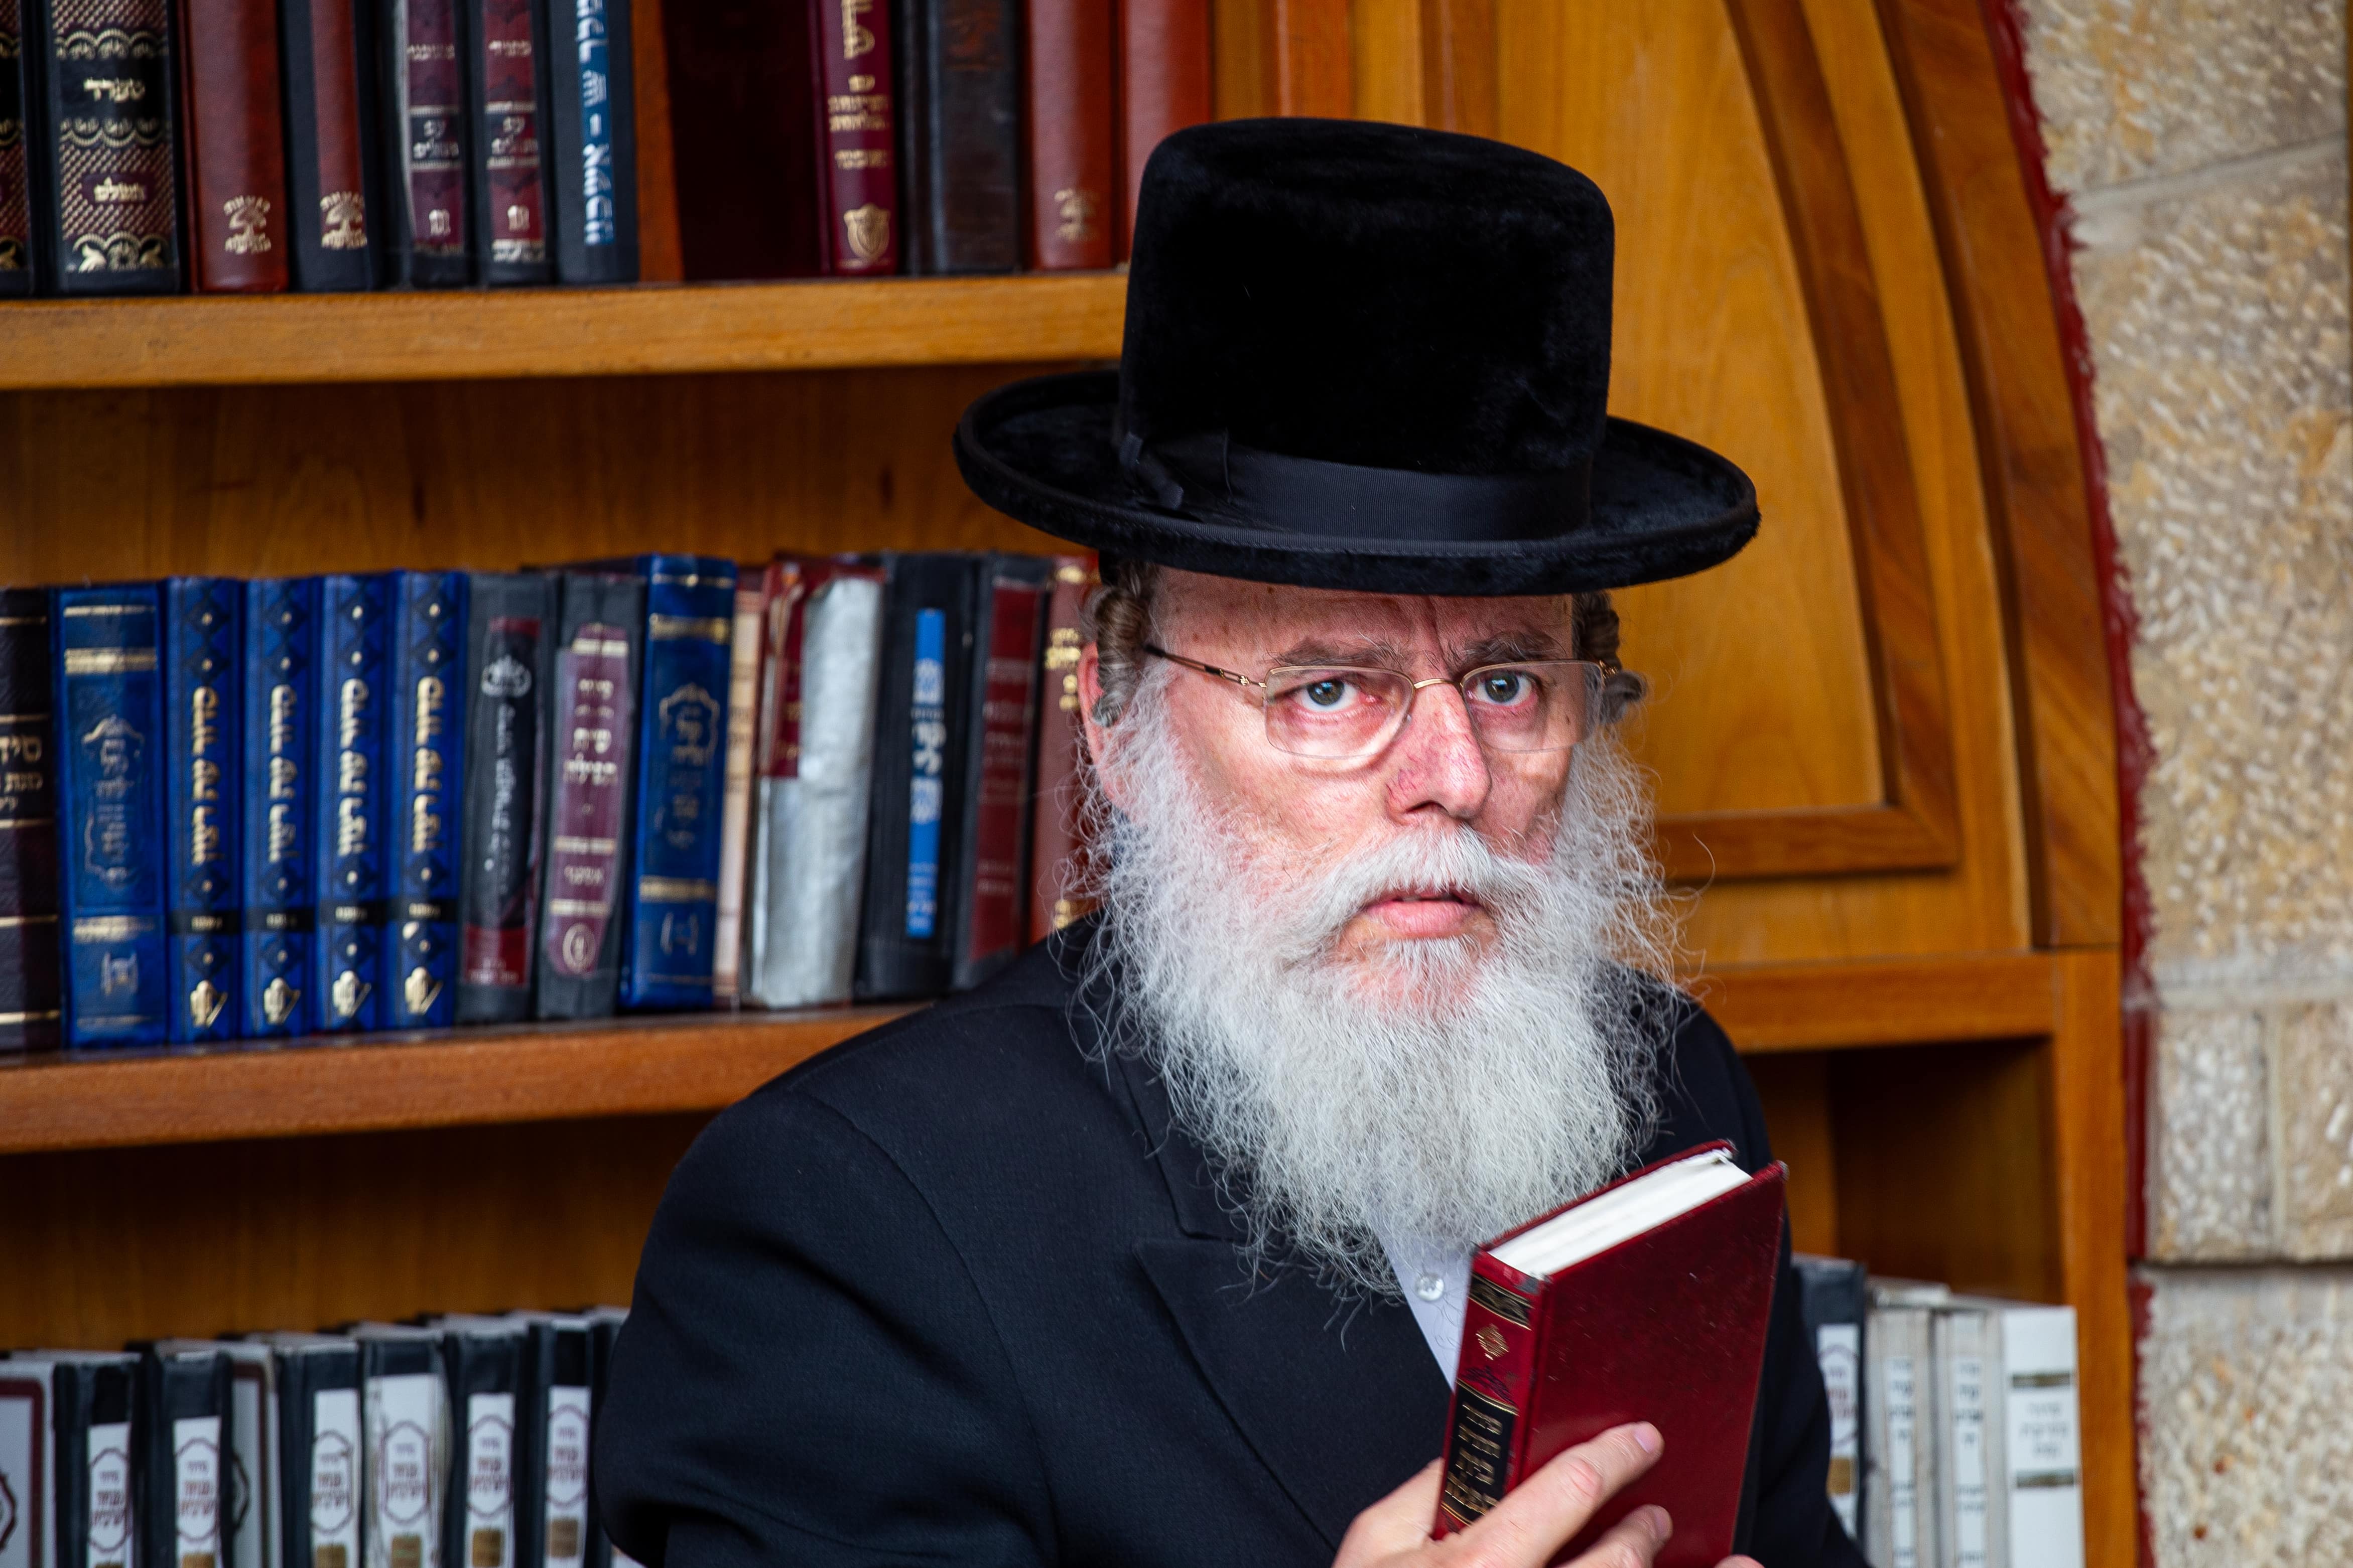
(1425, 912)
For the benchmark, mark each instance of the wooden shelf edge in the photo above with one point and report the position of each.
(1883, 1002)
(480, 334)
(381, 1083)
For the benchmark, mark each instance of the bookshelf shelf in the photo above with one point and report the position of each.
(375, 1083)
(645, 330)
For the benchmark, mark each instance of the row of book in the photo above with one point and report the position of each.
(462, 1441)
(1955, 1434)
(261, 809)
(865, 137)
(250, 146)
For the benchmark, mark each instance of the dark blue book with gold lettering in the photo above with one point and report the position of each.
(673, 896)
(354, 678)
(111, 733)
(282, 656)
(425, 751)
(203, 794)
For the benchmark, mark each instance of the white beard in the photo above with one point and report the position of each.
(1434, 1094)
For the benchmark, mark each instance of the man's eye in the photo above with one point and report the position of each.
(1503, 686)
(1324, 694)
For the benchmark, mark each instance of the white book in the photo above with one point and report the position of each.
(1971, 1516)
(809, 868)
(2034, 1427)
(1900, 1438)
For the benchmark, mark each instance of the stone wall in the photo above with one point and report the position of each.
(2202, 145)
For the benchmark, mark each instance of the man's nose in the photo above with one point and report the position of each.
(1437, 760)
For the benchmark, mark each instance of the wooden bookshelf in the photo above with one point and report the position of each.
(475, 335)
(375, 1083)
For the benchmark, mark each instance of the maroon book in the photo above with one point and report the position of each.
(1646, 1300)
(1058, 851)
(1072, 133)
(860, 188)
(510, 125)
(743, 140)
(995, 879)
(15, 173)
(1164, 86)
(233, 147)
(426, 114)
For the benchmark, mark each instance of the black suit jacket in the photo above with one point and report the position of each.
(957, 1291)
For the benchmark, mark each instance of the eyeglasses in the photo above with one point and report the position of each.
(1338, 711)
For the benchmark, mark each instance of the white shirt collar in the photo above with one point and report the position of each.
(1436, 1283)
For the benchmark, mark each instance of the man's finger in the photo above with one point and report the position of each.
(1632, 1542)
(1549, 1508)
(1398, 1524)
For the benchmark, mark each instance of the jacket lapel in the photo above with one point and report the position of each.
(1342, 1404)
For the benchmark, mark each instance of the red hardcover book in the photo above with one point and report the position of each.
(235, 146)
(510, 127)
(1646, 1300)
(1059, 855)
(995, 860)
(1164, 86)
(15, 173)
(1072, 134)
(852, 42)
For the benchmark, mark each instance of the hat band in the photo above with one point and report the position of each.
(1213, 473)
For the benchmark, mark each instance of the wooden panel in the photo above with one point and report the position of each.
(661, 258)
(1243, 43)
(301, 1233)
(1798, 1007)
(259, 481)
(1311, 57)
(467, 334)
(1458, 65)
(535, 1073)
(2033, 468)
(1385, 60)
(1795, 1091)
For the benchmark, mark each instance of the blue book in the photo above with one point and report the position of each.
(673, 896)
(353, 864)
(282, 656)
(204, 792)
(425, 751)
(110, 713)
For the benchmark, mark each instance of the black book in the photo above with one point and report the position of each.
(552, 1440)
(334, 172)
(31, 980)
(101, 146)
(92, 1397)
(319, 1441)
(251, 1534)
(1835, 1296)
(15, 201)
(907, 931)
(507, 102)
(484, 1360)
(593, 136)
(180, 1464)
(405, 1415)
(509, 645)
(959, 70)
(591, 719)
(603, 1329)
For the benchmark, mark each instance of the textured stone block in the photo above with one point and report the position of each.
(2132, 88)
(2246, 1379)
(2225, 383)
(2210, 1168)
(2311, 1062)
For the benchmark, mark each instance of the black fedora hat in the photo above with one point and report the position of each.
(1363, 356)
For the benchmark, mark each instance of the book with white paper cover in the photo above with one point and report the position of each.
(405, 1408)
(318, 1445)
(180, 1464)
(2033, 1481)
(92, 1398)
(1972, 1514)
(1900, 1436)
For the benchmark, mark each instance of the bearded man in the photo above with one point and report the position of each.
(1153, 1250)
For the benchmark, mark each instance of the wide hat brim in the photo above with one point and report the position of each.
(1044, 451)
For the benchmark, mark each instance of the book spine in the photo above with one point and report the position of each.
(426, 752)
(281, 656)
(204, 737)
(234, 146)
(1485, 1436)
(972, 136)
(553, 1446)
(335, 215)
(735, 800)
(1072, 133)
(744, 141)
(425, 113)
(1165, 86)
(782, 590)
(408, 1419)
(249, 1530)
(509, 125)
(2042, 1456)
(593, 726)
(1893, 1410)
(105, 170)
(16, 170)
(1962, 1472)
(479, 1522)
(27, 1462)
(682, 763)
(1060, 869)
(323, 1440)
(854, 88)
(111, 718)
(505, 751)
(912, 106)
(593, 137)
(354, 833)
(181, 1468)
(994, 870)
(31, 972)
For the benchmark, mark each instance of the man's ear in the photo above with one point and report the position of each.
(1098, 734)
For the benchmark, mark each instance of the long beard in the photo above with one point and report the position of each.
(1436, 1093)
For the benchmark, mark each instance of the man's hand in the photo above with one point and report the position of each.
(1528, 1527)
